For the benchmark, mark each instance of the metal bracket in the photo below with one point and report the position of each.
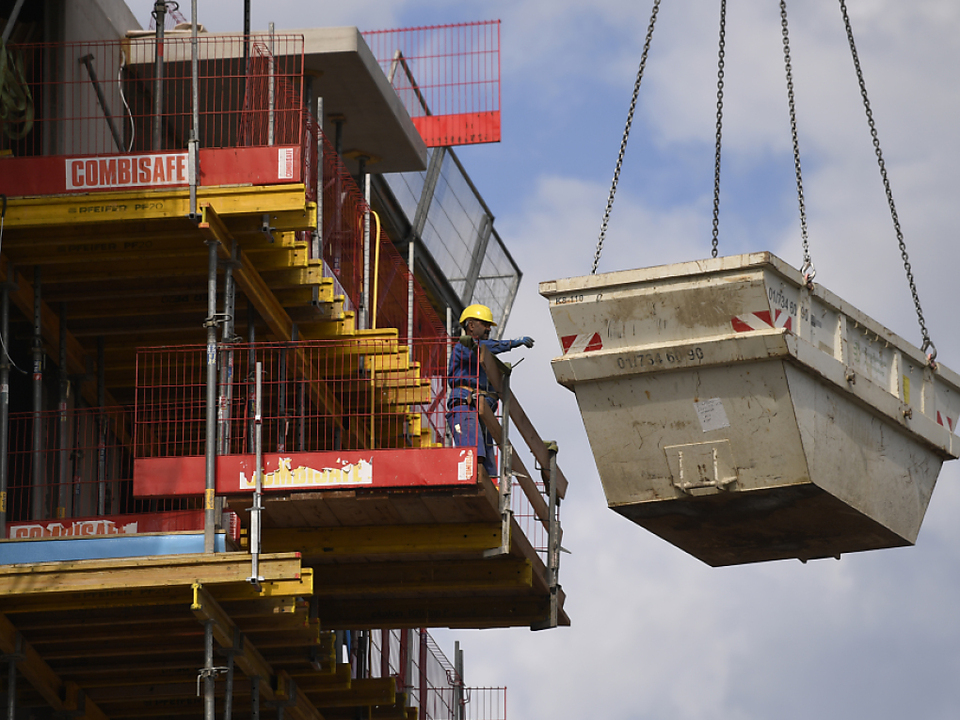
(204, 673)
(217, 320)
(267, 229)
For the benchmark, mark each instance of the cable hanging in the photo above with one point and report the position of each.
(716, 159)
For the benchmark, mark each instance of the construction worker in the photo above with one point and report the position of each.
(468, 380)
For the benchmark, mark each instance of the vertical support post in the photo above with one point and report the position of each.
(318, 235)
(4, 400)
(194, 143)
(159, 14)
(255, 510)
(210, 490)
(36, 509)
(365, 298)
(384, 653)
(251, 365)
(411, 257)
(271, 89)
(63, 496)
(228, 693)
(282, 415)
(225, 402)
(506, 471)
(460, 704)
(209, 680)
(101, 429)
(423, 674)
(553, 537)
(16, 656)
(255, 697)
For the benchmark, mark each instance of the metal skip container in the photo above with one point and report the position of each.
(743, 417)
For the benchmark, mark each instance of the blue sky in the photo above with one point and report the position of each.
(655, 633)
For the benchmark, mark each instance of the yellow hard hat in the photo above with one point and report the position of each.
(477, 312)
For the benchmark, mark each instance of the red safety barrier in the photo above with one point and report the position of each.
(448, 77)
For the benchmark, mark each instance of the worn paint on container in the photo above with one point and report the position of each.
(744, 417)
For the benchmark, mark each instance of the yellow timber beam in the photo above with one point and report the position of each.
(337, 542)
(246, 276)
(362, 692)
(276, 596)
(62, 697)
(285, 204)
(248, 659)
(121, 574)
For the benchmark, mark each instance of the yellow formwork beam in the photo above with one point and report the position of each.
(62, 697)
(121, 574)
(285, 204)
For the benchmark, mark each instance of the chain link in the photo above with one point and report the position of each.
(807, 269)
(716, 157)
(928, 347)
(626, 135)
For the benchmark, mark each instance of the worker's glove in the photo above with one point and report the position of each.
(468, 342)
(526, 340)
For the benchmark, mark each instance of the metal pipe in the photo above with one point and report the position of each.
(255, 510)
(251, 363)
(553, 537)
(194, 143)
(255, 697)
(12, 689)
(225, 402)
(318, 235)
(271, 90)
(101, 429)
(210, 491)
(209, 679)
(460, 709)
(228, 693)
(506, 468)
(365, 293)
(281, 397)
(4, 399)
(36, 509)
(159, 14)
(87, 60)
(63, 496)
(410, 260)
(10, 22)
(423, 674)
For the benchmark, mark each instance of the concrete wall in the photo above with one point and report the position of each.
(97, 20)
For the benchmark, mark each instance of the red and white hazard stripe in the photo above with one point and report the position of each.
(585, 342)
(761, 321)
(949, 420)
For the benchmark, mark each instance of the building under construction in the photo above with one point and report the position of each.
(229, 264)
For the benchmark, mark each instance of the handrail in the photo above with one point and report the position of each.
(538, 448)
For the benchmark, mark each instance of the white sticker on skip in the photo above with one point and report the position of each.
(712, 415)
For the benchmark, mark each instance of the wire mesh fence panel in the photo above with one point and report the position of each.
(136, 95)
(344, 394)
(448, 77)
(75, 463)
(430, 679)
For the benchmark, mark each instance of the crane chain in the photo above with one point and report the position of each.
(807, 269)
(716, 158)
(626, 135)
(927, 347)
